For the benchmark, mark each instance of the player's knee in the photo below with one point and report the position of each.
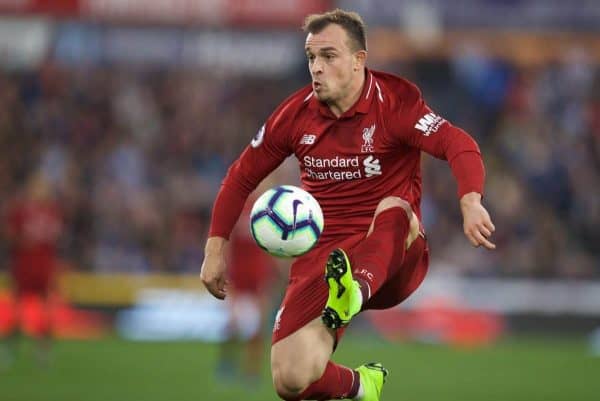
(288, 384)
(393, 201)
(291, 379)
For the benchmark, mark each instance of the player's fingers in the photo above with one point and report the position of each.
(489, 245)
(223, 287)
(484, 241)
(219, 288)
(484, 230)
(489, 225)
(213, 286)
(472, 239)
(216, 291)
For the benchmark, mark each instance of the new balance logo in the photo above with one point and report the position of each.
(308, 139)
(429, 123)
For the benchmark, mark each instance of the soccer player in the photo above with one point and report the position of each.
(33, 227)
(251, 275)
(358, 136)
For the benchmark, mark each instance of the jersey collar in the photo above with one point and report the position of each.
(361, 106)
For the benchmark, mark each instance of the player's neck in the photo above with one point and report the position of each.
(343, 105)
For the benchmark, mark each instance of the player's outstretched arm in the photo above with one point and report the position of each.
(214, 268)
(477, 224)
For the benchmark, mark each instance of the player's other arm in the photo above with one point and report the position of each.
(227, 207)
(212, 272)
(429, 132)
(266, 151)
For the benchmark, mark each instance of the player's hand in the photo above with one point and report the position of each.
(213, 268)
(477, 224)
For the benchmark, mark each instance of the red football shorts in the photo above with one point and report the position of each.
(251, 270)
(306, 293)
(36, 280)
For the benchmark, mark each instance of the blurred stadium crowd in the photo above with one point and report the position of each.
(135, 157)
(539, 130)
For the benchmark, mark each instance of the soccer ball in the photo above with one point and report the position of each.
(286, 221)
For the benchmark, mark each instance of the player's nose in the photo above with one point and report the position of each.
(316, 67)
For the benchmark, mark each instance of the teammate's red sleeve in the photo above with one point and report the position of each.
(268, 149)
(424, 129)
(13, 217)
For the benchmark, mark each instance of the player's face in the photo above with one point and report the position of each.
(334, 66)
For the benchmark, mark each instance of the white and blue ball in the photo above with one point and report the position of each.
(286, 221)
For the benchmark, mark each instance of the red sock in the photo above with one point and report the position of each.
(337, 382)
(384, 249)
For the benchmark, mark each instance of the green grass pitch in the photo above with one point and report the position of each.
(116, 370)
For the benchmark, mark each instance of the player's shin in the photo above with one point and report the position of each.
(355, 276)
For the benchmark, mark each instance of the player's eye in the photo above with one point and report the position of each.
(310, 57)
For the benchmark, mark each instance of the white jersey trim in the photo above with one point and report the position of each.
(379, 94)
(370, 85)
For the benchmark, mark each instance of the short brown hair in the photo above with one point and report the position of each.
(350, 21)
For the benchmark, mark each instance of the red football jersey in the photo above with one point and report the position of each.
(251, 269)
(349, 163)
(34, 228)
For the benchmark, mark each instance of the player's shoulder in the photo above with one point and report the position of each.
(292, 107)
(400, 91)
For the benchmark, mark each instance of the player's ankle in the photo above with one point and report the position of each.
(365, 289)
(360, 393)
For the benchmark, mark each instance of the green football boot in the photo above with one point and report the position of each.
(372, 378)
(345, 298)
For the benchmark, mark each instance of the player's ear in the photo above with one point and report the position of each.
(360, 59)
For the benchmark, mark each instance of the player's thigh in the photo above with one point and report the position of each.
(246, 313)
(398, 202)
(405, 279)
(300, 358)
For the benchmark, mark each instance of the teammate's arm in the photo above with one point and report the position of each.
(424, 129)
(266, 151)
